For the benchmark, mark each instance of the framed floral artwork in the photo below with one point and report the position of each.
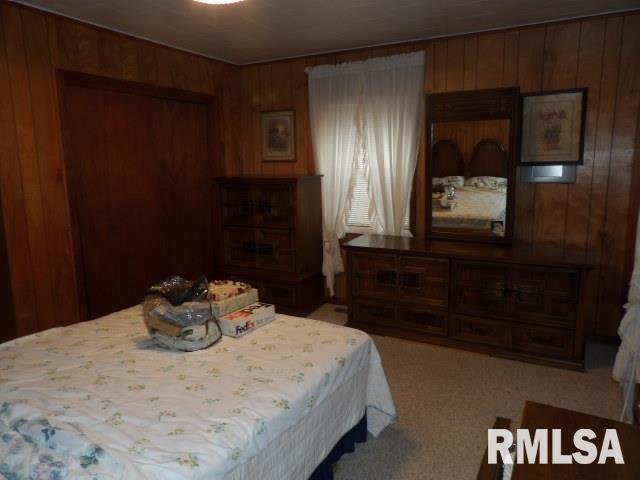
(278, 136)
(553, 127)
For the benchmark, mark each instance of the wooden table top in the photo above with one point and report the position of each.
(537, 415)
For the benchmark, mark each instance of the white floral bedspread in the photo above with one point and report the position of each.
(123, 408)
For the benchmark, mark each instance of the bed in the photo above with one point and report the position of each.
(100, 400)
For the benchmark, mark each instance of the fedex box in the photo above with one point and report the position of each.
(242, 321)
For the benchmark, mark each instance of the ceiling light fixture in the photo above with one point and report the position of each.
(218, 2)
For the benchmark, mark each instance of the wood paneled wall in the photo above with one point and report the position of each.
(593, 214)
(601, 53)
(7, 319)
(35, 201)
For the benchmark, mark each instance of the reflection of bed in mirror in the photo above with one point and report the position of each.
(473, 195)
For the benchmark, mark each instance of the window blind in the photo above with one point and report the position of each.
(358, 219)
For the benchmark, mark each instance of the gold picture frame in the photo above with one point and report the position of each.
(553, 126)
(278, 136)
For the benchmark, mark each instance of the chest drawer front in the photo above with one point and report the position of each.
(240, 247)
(433, 322)
(273, 206)
(423, 280)
(547, 295)
(374, 276)
(546, 341)
(274, 249)
(237, 204)
(480, 330)
(278, 294)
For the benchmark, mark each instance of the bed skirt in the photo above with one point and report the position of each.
(346, 444)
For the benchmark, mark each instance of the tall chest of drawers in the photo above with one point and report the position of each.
(270, 235)
(521, 302)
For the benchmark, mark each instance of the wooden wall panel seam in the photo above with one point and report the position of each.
(605, 240)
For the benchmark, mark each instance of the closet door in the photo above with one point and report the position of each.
(139, 173)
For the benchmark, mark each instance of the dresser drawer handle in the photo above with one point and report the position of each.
(522, 288)
(496, 292)
(410, 280)
(386, 277)
(264, 207)
(539, 339)
(266, 249)
(479, 330)
(521, 296)
(249, 247)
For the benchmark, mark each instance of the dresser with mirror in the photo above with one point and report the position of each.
(469, 284)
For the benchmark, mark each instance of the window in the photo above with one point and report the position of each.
(358, 220)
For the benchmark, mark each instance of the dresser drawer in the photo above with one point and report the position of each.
(554, 281)
(486, 275)
(480, 288)
(373, 313)
(480, 300)
(273, 206)
(240, 247)
(423, 280)
(258, 248)
(480, 330)
(277, 293)
(374, 276)
(267, 206)
(364, 264)
(274, 249)
(237, 204)
(546, 341)
(545, 295)
(433, 322)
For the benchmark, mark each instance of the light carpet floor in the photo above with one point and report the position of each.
(446, 399)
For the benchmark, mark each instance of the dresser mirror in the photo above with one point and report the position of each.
(471, 164)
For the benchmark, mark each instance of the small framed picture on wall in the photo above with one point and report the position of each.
(553, 127)
(279, 136)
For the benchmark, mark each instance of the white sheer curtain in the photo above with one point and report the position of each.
(627, 367)
(393, 110)
(377, 103)
(334, 100)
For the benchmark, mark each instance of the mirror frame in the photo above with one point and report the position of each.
(466, 106)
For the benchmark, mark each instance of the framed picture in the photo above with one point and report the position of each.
(553, 127)
(278, 136)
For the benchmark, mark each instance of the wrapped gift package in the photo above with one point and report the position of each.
(177, 314)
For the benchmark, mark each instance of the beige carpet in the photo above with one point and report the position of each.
(446, 399)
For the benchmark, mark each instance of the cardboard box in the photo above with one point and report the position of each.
(242, 321)
(224, 307)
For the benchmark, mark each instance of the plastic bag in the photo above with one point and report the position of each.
(177, 314)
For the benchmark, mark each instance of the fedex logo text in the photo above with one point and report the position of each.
(536, 449)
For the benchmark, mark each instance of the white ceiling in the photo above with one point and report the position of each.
(261, 30)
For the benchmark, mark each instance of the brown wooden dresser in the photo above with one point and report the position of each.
(270, 235)
(515, 301)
